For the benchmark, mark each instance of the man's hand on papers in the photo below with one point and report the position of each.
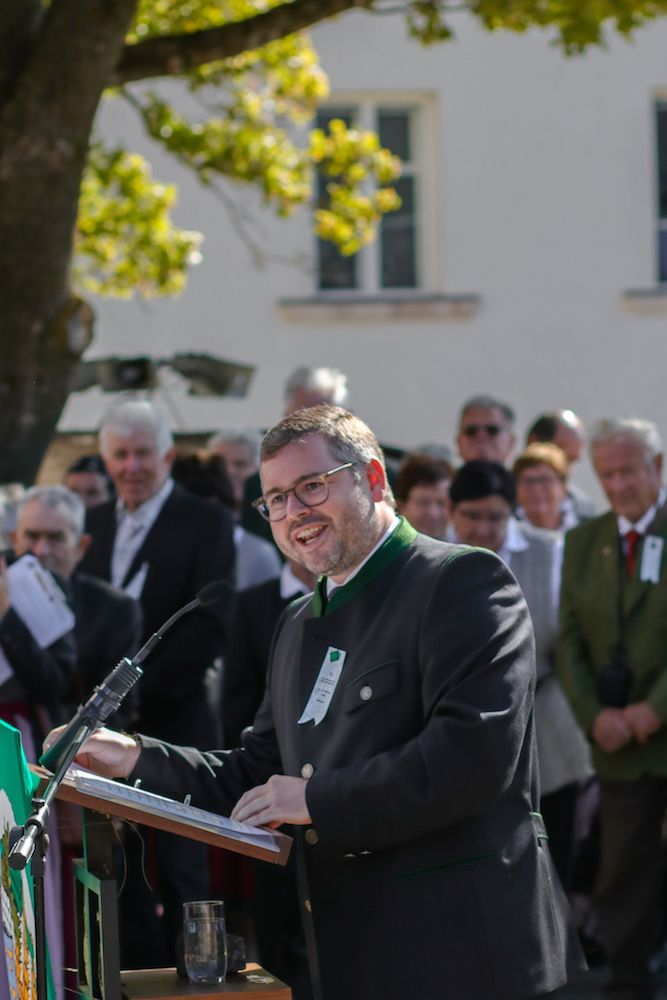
(111, 754)
(281, 800)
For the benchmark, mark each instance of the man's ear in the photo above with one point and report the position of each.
(377, 480)
(13, 536)
(81, 547)
(170, 456)
(658, 465)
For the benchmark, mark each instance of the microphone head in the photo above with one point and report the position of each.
(212, 592)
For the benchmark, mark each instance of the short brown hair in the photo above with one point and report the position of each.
(349, 439)
(542, 453)
(421, 470)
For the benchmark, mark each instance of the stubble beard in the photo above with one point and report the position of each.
(354, 529)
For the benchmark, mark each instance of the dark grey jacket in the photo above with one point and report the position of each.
(425, 873)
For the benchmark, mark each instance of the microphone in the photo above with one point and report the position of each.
(108, 696)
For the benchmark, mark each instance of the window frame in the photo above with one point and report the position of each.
(423, 166)
(659, 103)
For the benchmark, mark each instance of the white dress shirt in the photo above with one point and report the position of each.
(133, 526)
(331, 586)
(624, 526)
(290, 584)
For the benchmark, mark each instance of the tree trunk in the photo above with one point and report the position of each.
(46, 115)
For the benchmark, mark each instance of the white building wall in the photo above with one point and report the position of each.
(544, 208)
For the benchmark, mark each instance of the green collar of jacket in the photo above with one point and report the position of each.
(400, 538)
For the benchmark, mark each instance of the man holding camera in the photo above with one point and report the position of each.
(612, 662)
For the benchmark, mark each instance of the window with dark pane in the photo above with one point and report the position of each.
(335, 270)
(661, 149)
(394, 132)
(398, 240)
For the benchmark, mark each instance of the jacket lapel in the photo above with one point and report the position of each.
(157, 536)
(634, 589)
(104, 538)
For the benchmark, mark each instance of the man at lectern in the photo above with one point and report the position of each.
(397, 732)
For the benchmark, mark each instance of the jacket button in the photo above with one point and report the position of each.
(366, 693)
(306, 903)
(311, 836)
(307, 771)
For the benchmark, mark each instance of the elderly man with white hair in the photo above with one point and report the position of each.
(161, 545)
(32, 678)
(240, 450)
(612, 663)
(108, 623)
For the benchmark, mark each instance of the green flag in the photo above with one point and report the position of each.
(17, 786)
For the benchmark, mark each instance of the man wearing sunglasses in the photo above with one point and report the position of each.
(396, 733)
(486, 430)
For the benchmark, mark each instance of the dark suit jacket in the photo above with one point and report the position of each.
(41, 676)
(190, 544)
(109, 626)
(426, 872)
(258, 610)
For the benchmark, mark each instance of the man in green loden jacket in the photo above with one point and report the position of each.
(396, 733)
(612, 663)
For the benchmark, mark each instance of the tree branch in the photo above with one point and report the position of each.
(172, 55)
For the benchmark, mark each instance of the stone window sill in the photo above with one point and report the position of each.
(380, 309)
(645, 301)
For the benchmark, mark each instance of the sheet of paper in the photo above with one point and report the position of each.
(317, 705)
(649, 571)
(159, 805)
(38, 601)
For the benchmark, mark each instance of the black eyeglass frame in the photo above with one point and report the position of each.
(260, 502)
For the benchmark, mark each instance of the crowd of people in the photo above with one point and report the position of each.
(135, 531)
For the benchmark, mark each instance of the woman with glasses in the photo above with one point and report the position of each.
(541, 488)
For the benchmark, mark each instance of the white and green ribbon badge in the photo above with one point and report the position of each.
(325, 685)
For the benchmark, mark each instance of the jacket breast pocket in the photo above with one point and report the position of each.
(371, 685)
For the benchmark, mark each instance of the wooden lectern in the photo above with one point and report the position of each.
(96, 907)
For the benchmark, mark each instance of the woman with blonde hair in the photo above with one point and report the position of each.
(541, 487)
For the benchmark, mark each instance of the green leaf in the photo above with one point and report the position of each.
(125, 240)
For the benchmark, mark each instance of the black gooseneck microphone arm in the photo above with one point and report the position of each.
(108, 696)
(31, 841)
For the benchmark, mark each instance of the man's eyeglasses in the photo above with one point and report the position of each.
(472, 430)
(311, 491)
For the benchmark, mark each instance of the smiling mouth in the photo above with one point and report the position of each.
(308, 536)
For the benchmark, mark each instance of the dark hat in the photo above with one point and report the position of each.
(480, 479)
(89, 463)
(95, 464)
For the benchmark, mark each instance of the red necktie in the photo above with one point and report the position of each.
(631, 540)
